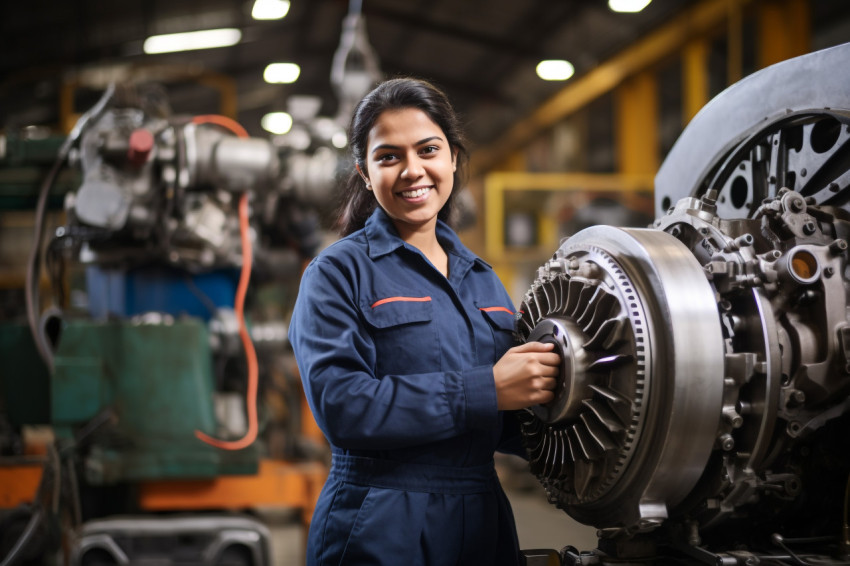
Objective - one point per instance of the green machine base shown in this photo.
(131, 396)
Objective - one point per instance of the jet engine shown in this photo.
(702, 408)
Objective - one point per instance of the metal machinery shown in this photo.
(148, 357)
(702, 413)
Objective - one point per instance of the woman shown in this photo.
(403, 339)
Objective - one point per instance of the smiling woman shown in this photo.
(404, 341)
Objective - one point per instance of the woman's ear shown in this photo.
(363, 176)
(454, 159)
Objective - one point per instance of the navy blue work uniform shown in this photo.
(397, 364)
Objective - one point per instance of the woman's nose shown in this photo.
(413, 169)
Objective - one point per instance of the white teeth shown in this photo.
(415, 193)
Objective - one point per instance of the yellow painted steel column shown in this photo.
(784, 29)
(226, 87)
(67, 116)
(695, 89)
(703, 19)
(637, 124)
(494, 219)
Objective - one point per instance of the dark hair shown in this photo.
(358, 203)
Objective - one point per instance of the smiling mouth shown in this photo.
(415, 193)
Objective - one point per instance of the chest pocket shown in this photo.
(405, 335)
(501, 323)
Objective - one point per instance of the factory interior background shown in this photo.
(142, 305)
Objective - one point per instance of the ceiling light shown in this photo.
(555, 70)
(285, 73)
(205, 39)
(339, 140)
(269, 9)
(628, 6)
(277, 122)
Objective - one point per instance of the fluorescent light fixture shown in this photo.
(285, 73)
(188, 41)
(269, 9)
(555, 70)
(628, 6)
(277, 122)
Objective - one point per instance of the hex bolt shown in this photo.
(794, 428)
(727, 443)
(693, 533)
(796, 204)
(838, 246)
(809, 228)
(745, 240)
(828, 272)
(733, 418)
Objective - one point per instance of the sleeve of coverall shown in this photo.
(357, 409)
(511, 440)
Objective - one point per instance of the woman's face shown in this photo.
(410, 167)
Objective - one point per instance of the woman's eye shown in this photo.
(387, 157)
(429, 149)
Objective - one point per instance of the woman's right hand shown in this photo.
(526, 375)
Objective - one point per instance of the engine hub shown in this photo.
(601, 447)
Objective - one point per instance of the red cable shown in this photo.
(250, 353)
(222, 121)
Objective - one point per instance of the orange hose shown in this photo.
(222, 121)
(250, 353)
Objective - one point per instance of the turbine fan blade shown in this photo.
(610, 362)
(608, 332)
(619, 405)
(590, 305)
(606, 307)
(574, 289)
(588, 446)
(551, 297)
(609, 419)
(598, 432)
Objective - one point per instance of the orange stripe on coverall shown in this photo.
(401, 299)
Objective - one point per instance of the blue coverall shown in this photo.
(397, 364)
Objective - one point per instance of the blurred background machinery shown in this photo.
(159, 370)
(703, 410)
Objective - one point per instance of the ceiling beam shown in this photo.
(494, 43)
(703, 19)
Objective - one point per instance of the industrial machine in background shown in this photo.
(704, 404)
(154, 344)
(155, 340)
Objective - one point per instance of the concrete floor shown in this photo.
(541, 525)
